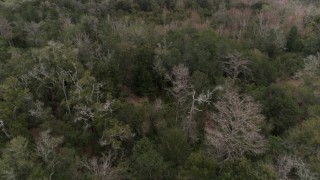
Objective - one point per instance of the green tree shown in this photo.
(174, 146)
(68, 166)
(146, 162)
(304, 141)
(281, 110)
(294, 42)
(146, 5)
(143, 77)
(16, 162)
(14, 106)
(198, 166)
(263, 70)
(4, 55)
(243, 169)
(287, 65)
(200, 81)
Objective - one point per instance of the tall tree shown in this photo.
(233, 129)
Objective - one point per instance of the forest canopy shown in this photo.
(159, 89)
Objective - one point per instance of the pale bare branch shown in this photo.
(234, 128)
(103, 167)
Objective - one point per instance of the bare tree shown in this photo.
(4, 130)
(180, 81)
(311, 66)
(84, 114)
(233, 129)
(103, 167)
(62, 76)
(39, 110)
(236, 64)
(284, 167)
(286, 164)
(310, 72)
(46, 145)
(190, 125)
(180, 90)
(187, 100)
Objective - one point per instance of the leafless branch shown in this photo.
(103, 167)
(235, 64)
(234, 128)
(286, 164)
(3, 129)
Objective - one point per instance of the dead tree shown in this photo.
(288, 164)
(187, 100)
(190, 125)
(4, 130)
(233, 129)
(46, 146)
(103, 167)
(180, 90)
(236, 64)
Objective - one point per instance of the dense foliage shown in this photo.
(159, 89)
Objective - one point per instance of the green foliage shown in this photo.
(260, 6)
(305, 140)
(14, 106)
(197, 166)
(4, 54)
(143, 77)
(277, 144)
(312, 44)
(146, 5)
(202, 51)
(15, 162)
(288, 65)
(123, 5)
(314, 111)
(130, 115)
(203, 3)
(95, 72)
(243, 169)
(263, 71)
(281, 110)
(69, 163)
(174, 146)
(146, 162)
(200, 81)
(115, 134)
(294, 43)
